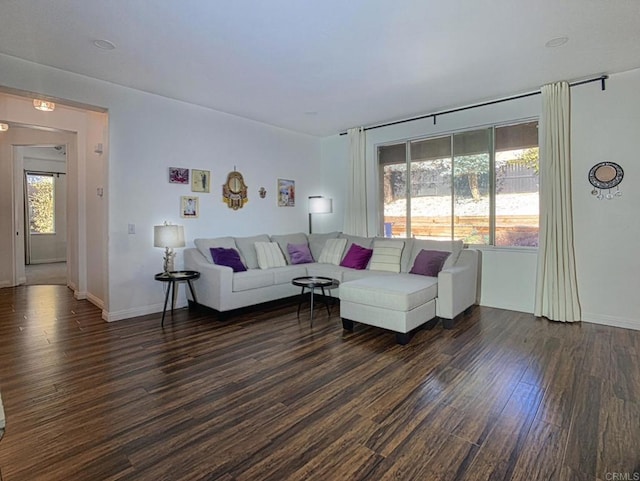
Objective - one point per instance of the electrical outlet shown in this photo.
(132, 228)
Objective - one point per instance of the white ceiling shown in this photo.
(322, 66)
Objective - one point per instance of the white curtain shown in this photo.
(556, 284)
(355, 216)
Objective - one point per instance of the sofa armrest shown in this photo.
(215, 283)
(457, 285)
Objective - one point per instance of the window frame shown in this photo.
(492, 178)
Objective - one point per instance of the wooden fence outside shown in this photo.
(465, 226)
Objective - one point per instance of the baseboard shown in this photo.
(96, 301)
(80, 295)
(49, 261)
(137, 312)
(611, 321)
(508, 307)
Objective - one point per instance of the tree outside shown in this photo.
(40, 190)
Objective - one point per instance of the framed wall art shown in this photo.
(178, 175)
(286, 193)
(189, 206)
(200, 180)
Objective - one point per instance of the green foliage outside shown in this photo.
(529, 158)
(472, 167)
(41, 204)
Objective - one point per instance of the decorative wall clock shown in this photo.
(606, 176)
(234, 191)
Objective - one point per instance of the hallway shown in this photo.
(46, 274)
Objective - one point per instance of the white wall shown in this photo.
(604, 127)
(147, 135)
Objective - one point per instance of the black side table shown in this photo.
(172, 278)
(312, 283)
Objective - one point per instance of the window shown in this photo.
(40, 196)
(479, 185)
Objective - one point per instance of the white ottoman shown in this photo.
(400, 303)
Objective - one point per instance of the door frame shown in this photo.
(18, 208)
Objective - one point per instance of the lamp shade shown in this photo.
(320, 205)
(168, 236)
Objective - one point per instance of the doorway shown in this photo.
(83, 130)
(45, 213)
(43, 158)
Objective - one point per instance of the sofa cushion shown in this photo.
(283, 275)
(354, 275)
(429, 263)
(454, 247)
(357, 257)
(317, 241)
(283, 240)
(205, 245)
(227, 257)
(299, 254)
(248, 250)
(327, 270)
(332, 251)
(269, 255)
(386, 255)
(406, 292)
(252, 279)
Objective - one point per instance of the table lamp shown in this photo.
(168, 236)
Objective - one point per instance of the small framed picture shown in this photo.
(200, 180)
(178, 175)
(189, 206)
(286, 193)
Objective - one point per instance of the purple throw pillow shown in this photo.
(299, 253)
(429, 263)
(357, 257)
(227, 257)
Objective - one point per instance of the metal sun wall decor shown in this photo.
(605, 176)
(234, 191)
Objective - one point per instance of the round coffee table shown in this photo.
(312, 283)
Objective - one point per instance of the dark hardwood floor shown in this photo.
(262, 396)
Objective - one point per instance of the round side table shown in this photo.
(173, 278)
(312, 283)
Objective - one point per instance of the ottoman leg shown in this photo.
(403, 337)
(447, 323)
(347, 324)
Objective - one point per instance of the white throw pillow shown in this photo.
(269, 255)
(332, 251)
(386, 256)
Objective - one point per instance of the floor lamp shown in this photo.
(318, 205)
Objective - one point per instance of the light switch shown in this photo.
(132, 228)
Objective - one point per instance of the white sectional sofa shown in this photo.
(398, 301)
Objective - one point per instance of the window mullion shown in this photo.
(452, 191)
(492, 186)
(407, 151)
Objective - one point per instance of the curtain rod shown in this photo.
(40, 172)
(601, 79)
